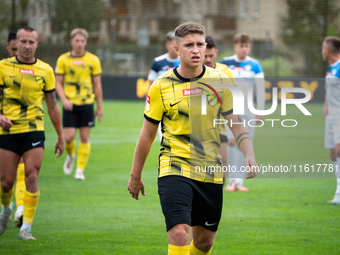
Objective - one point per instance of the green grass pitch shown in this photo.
(281, 214)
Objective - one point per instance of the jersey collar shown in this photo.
(336, 63)
(77, 56)
(240, 61)
(26, 63)
(187, 79)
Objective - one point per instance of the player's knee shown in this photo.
(231, 142)
(31, 174)
(6, 185)
(205, 244)
(337, 151)
(84, 139)
(332, 154)
(179, 234)
(69, 139)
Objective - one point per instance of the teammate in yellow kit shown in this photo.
(211, 53)
(78, 83)
(20, 187)
(24, 82)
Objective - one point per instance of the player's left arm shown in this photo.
(244, 142)
(98, 92)
(54, 113)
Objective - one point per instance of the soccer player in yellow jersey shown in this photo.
(78, 83)
(24, 82)
(190, 189)
(211, 53)
(20, 186)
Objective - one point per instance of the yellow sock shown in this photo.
(21, 186)
(6, 198)
(70, 148)
(83, 155)
(30, 206)
(195, 251)
(178, 250)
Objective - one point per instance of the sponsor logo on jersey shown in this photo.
(239, 68)
(26, 71)
(78, 62)
(192, 92)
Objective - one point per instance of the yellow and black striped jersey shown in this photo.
(191, 140)
(24, 86)
(78, 73)
(226, 70)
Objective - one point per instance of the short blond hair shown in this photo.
(79, 31)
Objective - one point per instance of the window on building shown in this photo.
(226, 7)
(256, 8)
(197, 10)
(186, 9)
(231, 6)
(176, 8)
(243, 8)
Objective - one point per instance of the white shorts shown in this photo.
(332, 133)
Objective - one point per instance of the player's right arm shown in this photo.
(146, 137)
(153, 114)
(5, 122)
(59, 79)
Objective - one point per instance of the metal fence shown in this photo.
(127, 35)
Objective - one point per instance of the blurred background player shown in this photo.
(211, 53)
(331, 109)
(22, 131)
(78, 83)
(164, 63)
(249, 75)
(20, 187)
(11, 44)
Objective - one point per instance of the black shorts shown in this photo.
(186, 201)
(80, 116)
(20, 143)
(223, 138)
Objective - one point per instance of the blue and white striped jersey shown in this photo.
(161, 65)
(248, 74)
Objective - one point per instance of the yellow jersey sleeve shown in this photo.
(2, 74)
(227, 102)
(227, 97)
(154, 107)
(97, 68)
(229, 73)
(60, 68)
(50, 81)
